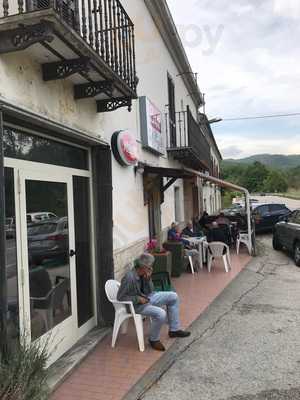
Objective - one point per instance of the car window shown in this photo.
(277, 207)
(42, 229)
(295, 217)
(262, 210)
(29, 219)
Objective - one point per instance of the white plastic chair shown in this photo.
(122, 315)
(242, 238)
(190, 258)
(215, 250)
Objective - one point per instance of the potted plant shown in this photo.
(163, 258)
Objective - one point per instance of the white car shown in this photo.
(39, 216)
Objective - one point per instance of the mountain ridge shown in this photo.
(278, 161)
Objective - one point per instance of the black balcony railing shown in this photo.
(187, 142)
(103, 24)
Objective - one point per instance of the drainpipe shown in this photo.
(3, 283)
(222, 183)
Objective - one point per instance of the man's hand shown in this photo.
(143, 300)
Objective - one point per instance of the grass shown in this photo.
(291, 194)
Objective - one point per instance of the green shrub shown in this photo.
(23, 373)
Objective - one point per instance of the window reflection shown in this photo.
(30, 147)
(11, 256)
(48, 252)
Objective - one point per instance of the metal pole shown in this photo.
(3, 282)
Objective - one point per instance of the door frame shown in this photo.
(26, 170)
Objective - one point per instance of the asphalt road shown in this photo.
(290, 203)
(246, 346)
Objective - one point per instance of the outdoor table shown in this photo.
(199, 242)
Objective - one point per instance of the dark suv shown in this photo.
(287, 234)
(267, 215)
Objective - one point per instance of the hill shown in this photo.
(278, 161)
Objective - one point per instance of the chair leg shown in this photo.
(117, 325)
(191, 264)
(228, 260)
(237, 246)
(225, 262)
(138, 321)
(209, 261)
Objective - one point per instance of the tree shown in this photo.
(254, 176)
(275, 182)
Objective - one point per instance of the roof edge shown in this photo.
(164, 22)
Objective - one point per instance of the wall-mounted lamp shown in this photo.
(214, 120)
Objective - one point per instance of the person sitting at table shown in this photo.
(189, 230)
(175, 235)
(137, 286)
(204, 220)
(217, 234)
(222, 220)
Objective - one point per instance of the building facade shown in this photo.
(84, 182)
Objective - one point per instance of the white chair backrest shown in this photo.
(111, 289)
(217, 248)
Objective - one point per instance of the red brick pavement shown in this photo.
(108, 374)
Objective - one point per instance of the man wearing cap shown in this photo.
(137, 286)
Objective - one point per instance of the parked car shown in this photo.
(232, 210)
(266, 215)
(48, 240)
(10, 228)
(286, 235)
(39, 216)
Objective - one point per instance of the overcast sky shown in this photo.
(247, 56)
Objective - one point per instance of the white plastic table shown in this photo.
(199, 242)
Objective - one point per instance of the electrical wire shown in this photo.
(262, 117)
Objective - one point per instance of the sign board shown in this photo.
(151, 126)
(124, 148)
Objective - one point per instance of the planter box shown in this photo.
(163, 262)
(177, 250)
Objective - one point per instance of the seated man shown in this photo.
(189, 230)
(137, 286)
(174, 234)
(222, 220)
(217, 234)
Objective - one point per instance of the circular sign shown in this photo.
(124, 148)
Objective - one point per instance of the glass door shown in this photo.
(48, 259)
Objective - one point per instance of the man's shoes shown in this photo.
(179, 333)
(157, 345)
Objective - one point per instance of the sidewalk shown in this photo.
(108, 374)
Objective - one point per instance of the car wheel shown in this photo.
(297, 254)
(276, 244)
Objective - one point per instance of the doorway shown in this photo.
(49, 255)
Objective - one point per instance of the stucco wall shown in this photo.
(21, 83)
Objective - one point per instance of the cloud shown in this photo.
(253, 68)
(231, 152)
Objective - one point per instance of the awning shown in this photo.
(230, 185)
(187, 173)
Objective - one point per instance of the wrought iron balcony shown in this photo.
(91, 41)
(186, 142)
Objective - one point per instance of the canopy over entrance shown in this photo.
(186, 173)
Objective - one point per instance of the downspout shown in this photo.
(219, 182)
(3, 282)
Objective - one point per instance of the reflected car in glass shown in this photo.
(286, 235)
(10, 228)
(48, 240)
(39, 216)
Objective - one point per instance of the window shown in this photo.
(25, 146)
(262, 210)
(276, 207)
(172, 112)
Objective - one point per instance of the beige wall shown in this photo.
(21, 83)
